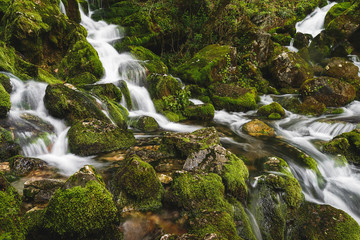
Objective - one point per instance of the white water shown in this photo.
(314, 23)
(122, 66)
(27, 98)
(356, 60)
(62, 8)
(291, 46)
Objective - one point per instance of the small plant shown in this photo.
(178, 101)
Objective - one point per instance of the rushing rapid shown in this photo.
(123, 66)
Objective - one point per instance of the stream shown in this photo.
(341, 186)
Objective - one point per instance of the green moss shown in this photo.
(118, 114)
(200, 112)
(82, 78)
(173, 117)
(233, 98)
(208, 65)
(126, 93)
(136, 186)
(273, 108)
(282, 39)
(336, 11)
(145, 123)
(196, 192)
(72, 105)
(274, 116)
(219, 223)
(5, 103)
(347, 144)
(80, 58)
(162, 85)
(10, 224)
(234, 176)
(45, 76)
(5, 82)
(324, 222)
(152, 62)
(8, 147)
(105, 91)
(93, 136)
(80, 212)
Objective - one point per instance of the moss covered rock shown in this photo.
(136, 186)
(5, 82)
(340, 68)
(277, 198)
(183, 144)
(290, 70)
(197, 192)
(10, 224)
(5, 103)
(257, 128)
(271, 109)
(81, 211)
(151, 61)
(233, 98)
(72, 10)
(310, 106)
(213, 225)
(80, 58)
(8, 147)
(163, 85)
(126, 93)
(200, 112)
(218, 160)
(211, 64)
(145, 123)
(93, 136)
(347, 144)
(82, 78)
(118, 114)
(64, 102)
(323, 222)
(329, 91)
(105, 91)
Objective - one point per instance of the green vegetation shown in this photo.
(136, 186)
(271, 110)
(5, 103)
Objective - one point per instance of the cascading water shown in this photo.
(39, 134)
(313, 24)
(124, 67)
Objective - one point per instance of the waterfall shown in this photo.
(313, 24)
(123, 66)
(62, 8)
(39, 134)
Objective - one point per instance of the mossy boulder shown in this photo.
(330, 91)
(232, 97)
(64, 102)
(162, 85)
(11, 226)
(197, 192)
(200, 112)
(72, 10)
(118, 114)
(347, 144)
(82, 78)
(80, 58)
(270, 110)
(323, 222)
(310, 106)
(136, 186)
(218, 160)
(126, 93)
(151, 61)
(321, 47)
(81, 211)
(93, 136)
(211, 64)
(342, 20)
(290, 70)
(302, 40)
(5, 103)
(341, 68)
(8, 147)
(257, 128)
(277, 198)
(145, 123)
(213, 225)
(183, 144)
(105, 91)
(5, 82)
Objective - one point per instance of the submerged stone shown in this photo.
(22, 166)
(40, 191)
(257, 128)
